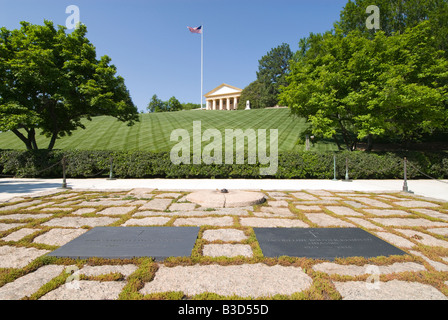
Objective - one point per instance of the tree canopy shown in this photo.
(51, 80)
(272, 70)
(396, 16)
(351, 86)
(157, 105)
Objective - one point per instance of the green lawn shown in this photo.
(153, 131)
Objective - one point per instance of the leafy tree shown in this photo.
(50, 80)
(173, 104)
(254, 93)
(272, 70)
(156, 105)
(397, 15)
(354, 87)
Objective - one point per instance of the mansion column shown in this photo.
(214, 104)
(228, 104)
(220, 103)
(235, 103)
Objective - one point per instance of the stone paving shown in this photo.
(227, 259)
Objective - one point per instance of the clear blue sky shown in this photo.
(153, 50)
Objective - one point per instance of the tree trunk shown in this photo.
(337, 143)
(23, 138)
(32, 138)
(369, 142)
(52, 141)
(345, 136)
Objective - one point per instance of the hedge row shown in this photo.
(291, 165)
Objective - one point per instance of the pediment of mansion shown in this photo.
(223, 97)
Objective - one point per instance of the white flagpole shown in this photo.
(202, 60)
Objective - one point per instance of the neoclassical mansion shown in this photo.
(223, 97)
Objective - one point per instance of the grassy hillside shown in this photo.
(153, 131)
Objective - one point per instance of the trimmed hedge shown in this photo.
(291, 165)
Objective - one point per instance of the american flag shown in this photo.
(195, 30)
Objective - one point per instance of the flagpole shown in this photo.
(202, 61)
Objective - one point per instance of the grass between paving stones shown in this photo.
(321, 288)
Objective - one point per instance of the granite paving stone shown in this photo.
(169, 214)
(63, 196)
(273, 212)
(391, 290)
(227, 250)
(156, 221)
(343, 211)
(19, 234)
(29, 283)
(320, 193)
(125, 269)
(141, 193)
(415, 204)
(440, 231)
(371, 202)
(116, 211)
(84, 211)
(395, 240)
(38, 206)
(137, 202)
(58, 236)
(169, 195)
(408, 222)
(224, 235)
(77, 222)
(364, 223)
(324, 220)
(439, 266)
(277, 194)
(88, 290)
(68, 203)
(322, 202)
(432, 213)
(212, 221)
(25, 216)
(355, 204)
(103, 202)
(272, 222)
(156, 204)
(387, 212)
(254, 280)
(389, 197)
(19, 205)
(424, 238)
(242, 211)
(182, 206)
(303, 196)
(182, 199)
(308, 208)
(279, 203)
(7, 226)
(354, 270)
(18, 257)
(56, 209)
(333, 198)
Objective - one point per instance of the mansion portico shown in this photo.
(223, 97)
